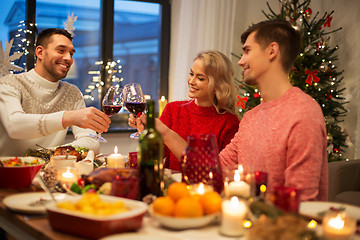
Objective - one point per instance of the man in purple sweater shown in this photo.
(285, 135)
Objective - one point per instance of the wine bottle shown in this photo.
(151, 156)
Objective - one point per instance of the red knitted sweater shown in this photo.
(186, 118)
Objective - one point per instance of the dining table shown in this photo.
(28, 226)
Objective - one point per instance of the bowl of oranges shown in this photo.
(182, 209)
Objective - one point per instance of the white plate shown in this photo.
(183, 223)
(313, 209)
(138, 236)
(22, 202)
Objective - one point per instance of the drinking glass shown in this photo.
(200, 162)
(135, 102)
(111, 105)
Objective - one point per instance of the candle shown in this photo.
(115, 160)
(237, 187)
(233, 215)
(162, 104)
(67, 176)
(338, 226)
(200, 189)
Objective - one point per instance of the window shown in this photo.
(133, 34)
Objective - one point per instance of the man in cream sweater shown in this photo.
(37, 108)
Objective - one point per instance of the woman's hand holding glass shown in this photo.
(135, 103)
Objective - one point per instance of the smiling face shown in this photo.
(198, 83)
(254, 61)
(55, 59)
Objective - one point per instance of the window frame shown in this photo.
(107, 42)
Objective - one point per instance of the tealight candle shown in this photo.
(338, 226)
(233, 215)
(67, 175)
(200, 189)
(237, 187)
(115, 160)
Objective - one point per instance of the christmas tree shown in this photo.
(314, 70)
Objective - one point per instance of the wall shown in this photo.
(345, 15)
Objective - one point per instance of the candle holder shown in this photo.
(287, 198)
(234, 211)
(239, 183)
(133, 160)
(260, 184)
(338, 226)
(67, 176)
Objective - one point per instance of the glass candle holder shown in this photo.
(67, 175)
(238, 182)
(287, 198)
(338, 226)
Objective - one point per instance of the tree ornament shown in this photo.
(307, 14)
(324, 67)
(328, 21)
(311, 76)
(241, 101)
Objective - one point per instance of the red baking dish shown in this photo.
(92, 226)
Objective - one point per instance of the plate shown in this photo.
(183, 223)
(25, 202)
(314, 209)
(138, 236)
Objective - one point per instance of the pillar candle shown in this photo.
(233, 215)
(115, 160)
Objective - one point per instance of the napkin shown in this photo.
(86, 166)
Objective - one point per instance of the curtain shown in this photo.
(197, 25)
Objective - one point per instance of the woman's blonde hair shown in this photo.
(220, 72)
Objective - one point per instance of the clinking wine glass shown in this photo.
(111, 105)
(135, 102)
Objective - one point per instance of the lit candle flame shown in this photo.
(241, 168)
(68, 174)
(201, 189)
(162, 98)
(337, 222)
(116, 149)
(234, 201)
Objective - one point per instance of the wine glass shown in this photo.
(111, 105)
(135, 102)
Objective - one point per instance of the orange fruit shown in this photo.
(211, 202)
(178, 190)
(188, 207)
(164, 206)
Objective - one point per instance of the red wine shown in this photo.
(135, 107)
(111, 110)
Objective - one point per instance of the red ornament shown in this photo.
(328, 21)
(242, 101)
(308, 11)
(256, 95)
(312, 76)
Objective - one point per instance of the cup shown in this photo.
(133, 160)
(287, 198)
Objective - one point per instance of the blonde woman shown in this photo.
(211, 109)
